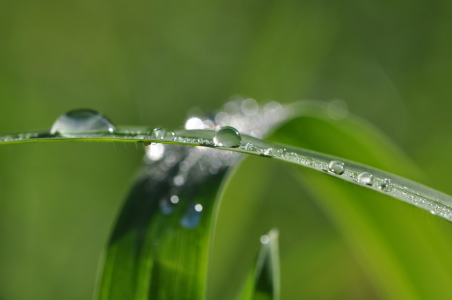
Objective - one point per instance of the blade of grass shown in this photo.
(408, 191)
(262, 282)
(399, 248)
(160, 245)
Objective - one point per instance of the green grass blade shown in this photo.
(262, 282)
(405, 252)
(408, 191)
(160, 245)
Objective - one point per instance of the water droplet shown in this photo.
(336, 167)
(270, 152)
(307, 161)
(81, 121)
(249, 147)
(192, 216)
(227, 136)
(281, 151)
(163, 134)
(385, 185)
(365, 178)
(264, 239)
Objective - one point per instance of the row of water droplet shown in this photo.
(91, 124)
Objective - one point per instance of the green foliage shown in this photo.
(149, 62)
(159, 248)
(262, 282)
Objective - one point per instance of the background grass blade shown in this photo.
(160, 245)
(399, 247)
(262, 282)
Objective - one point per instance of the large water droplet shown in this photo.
(192, 216)
(81, 121)
(365, 178)
(336, 167)
(227, 136)
(163, 134)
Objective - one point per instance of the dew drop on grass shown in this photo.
(163, 134)
(336, 167)
(192, 216)
(80, 122)
(365, 178)
(385, 185)
(281, 151)
(227, 136)
(270, 152)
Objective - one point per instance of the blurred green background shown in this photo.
(149, 63)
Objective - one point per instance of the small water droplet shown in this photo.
(82, 121)
(270, 152)
(227, 136)
(336, 167)
(264, 239)
(163, 134)
(307, 161)
(385, 185)
(365, 178)
(249, 147)
(281, 151)
(192, 216)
